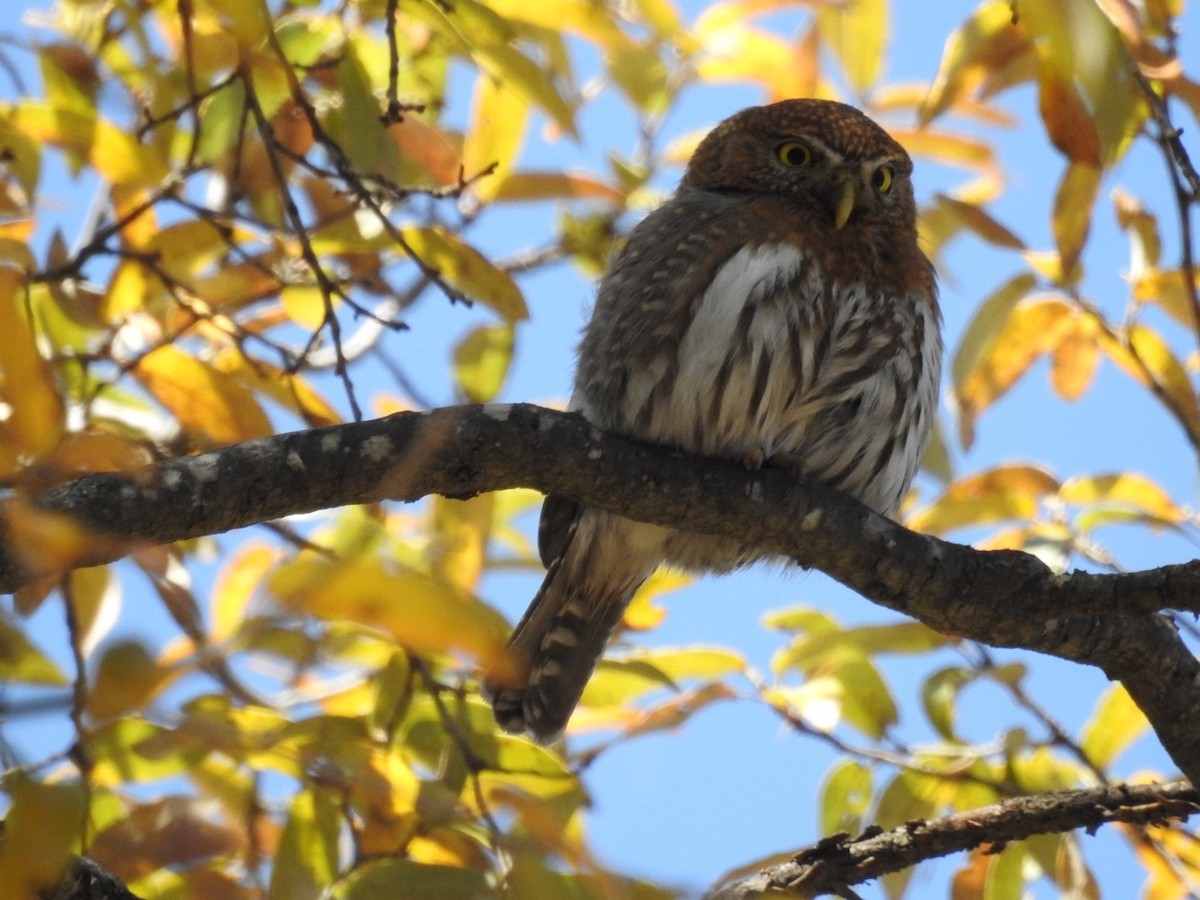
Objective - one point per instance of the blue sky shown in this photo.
(732, 785)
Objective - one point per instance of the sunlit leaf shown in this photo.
(939, 694)
(1068, 121)
(482, 360)
(1147, 358)
(498, 118)
(1032, 327)
(1073, 211)
(858, 33)
(402, 879)
(213, 406)
(527, 185)
(1169, 289)
(288, 389)
(237, 583)
(979, 221)
(1115, 724)
(306, 863)
(466, 269)
(1006, 492)
(845, 798)
(420, 611)
(1076, 358)
(21, 661)
(481, 34)
(34, 424)
(112, 152)
(987, 41)
(1127, 488)
(460, 530)
(42, 830)
(127, 679)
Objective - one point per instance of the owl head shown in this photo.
(827, 157)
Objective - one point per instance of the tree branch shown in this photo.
(1002, 598)
(839, 862)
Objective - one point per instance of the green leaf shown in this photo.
(402, 879)
(306, 861)
(845, 798)
(21, 661)
(939, 694)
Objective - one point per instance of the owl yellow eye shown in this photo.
(881, 179)
(793, 153)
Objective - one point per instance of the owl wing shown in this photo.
(556, 528)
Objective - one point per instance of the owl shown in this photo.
(776, 310)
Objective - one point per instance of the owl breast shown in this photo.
(776, 360)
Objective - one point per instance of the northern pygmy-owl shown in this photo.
(777, 307)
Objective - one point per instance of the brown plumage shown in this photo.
(776, 308)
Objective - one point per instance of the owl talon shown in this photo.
(753, 459)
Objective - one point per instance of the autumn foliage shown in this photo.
(267, 200)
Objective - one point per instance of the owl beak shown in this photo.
(844, 199)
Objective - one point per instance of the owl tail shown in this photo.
(557, 644)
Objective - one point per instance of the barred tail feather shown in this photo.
(558, 643)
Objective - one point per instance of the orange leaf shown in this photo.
(1075, 359)
(1067, 118)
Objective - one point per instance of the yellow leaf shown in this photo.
(214, 407)
(45, 541)
(944, 147)
(236, 585)
(498, 116)
(1146, 357)
(94, 450)
(986, 42)
(34, 424)
(43, 828)
(858, 33)
(1115, 724)
(639, 71)
(1075, 359)
(481, 361)
(1007, 492)
(1125, 488)
(551, 185)
(306, 860)
(460, 530)
(734, 51)
(981, 222)
(466, 269)
(1033, 327)
(1073, 211)
(305, 305)
(643, 613)
(421, 612)
(287, 389)
(22, 662)
(95, 597)
(128, 678)
(484, 36)
(1168, 289)
(113, 153)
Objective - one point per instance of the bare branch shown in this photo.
(838, 862)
